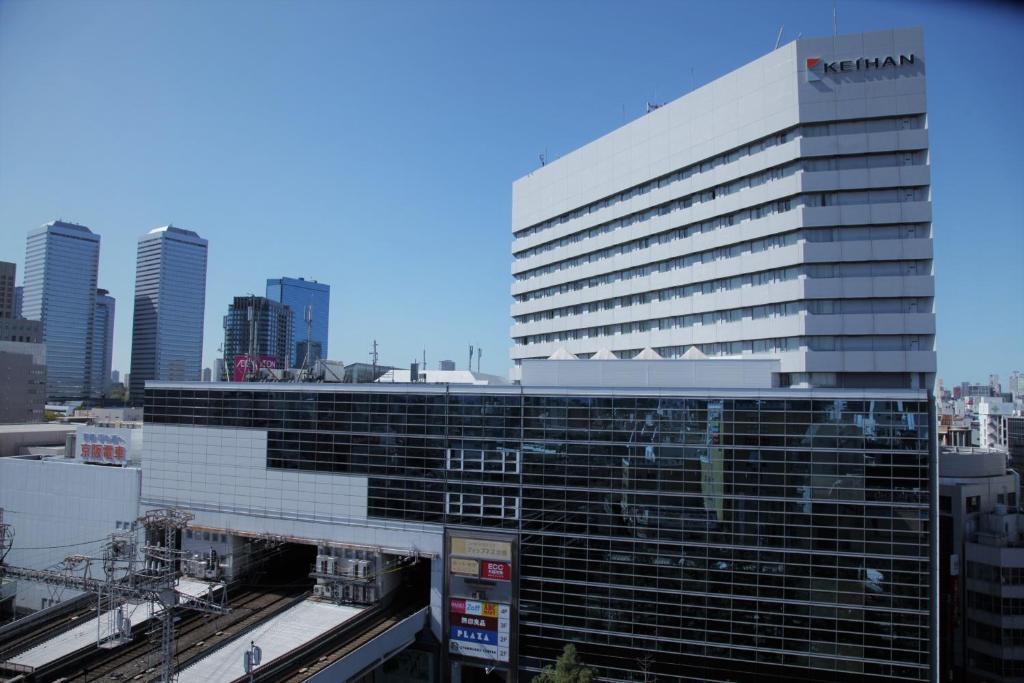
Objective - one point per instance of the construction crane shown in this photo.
(125, 581)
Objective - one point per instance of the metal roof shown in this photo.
(277, 636)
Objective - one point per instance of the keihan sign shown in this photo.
(818, 68)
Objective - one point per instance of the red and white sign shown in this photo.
(105, 445)
(495, 571)
(249, 365)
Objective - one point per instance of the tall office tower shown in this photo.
(19, 296)
(7, 289)
(61, 263)
(300, 294)
(102, 344)
(170, 300)
(781, 211)
(115, 376)
(257, 326)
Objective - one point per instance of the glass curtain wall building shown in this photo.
(61, 264)
(782, 210)
(300, 294)
(769, 535)
(170, 303)
(258, 326)
(102, 344)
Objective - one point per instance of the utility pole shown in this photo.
(479, 354)
(373, 357)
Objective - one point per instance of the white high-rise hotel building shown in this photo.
(782, 210)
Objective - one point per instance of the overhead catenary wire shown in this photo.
(69, 545)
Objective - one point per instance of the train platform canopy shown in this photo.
(277, 636)
(88, 632)
(81, 636)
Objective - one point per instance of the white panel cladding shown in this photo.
(221, 475)
(751, 102)
(56, 503)
(733, 374)
(857, 144)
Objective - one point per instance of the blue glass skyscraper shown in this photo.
(61, 263)
(300, 294)
(102, 344)
(170, 300)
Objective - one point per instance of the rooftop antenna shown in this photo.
(470, 368)
(309, 335)
(544, 156)
(778, 38)
(479, 353)
(373, 357)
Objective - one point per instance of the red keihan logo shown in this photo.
(813, 75)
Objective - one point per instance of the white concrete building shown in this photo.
(781, 211)
(990, 423)
(60, 507)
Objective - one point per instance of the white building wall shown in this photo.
(859, 131)
(221, 475)
(62, 507)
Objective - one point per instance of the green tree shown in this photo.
(567, 669)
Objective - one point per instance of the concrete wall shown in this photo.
(61, 502)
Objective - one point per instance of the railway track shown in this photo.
(194, 634)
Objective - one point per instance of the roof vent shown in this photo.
(647, 354)
(562, 354)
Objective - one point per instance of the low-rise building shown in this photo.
(975, 487)
(23, 381)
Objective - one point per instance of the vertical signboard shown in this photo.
(480, 593)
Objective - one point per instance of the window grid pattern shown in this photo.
(726, 537)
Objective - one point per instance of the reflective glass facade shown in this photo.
(780, 534)
(297, 294)
(61, 263)
(258, 326)
(170, 303)
(102, 344)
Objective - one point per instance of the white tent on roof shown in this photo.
(562, 354)
(604, 354)
(693, 353)
(647, 354)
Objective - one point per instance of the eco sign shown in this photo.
(818, 68)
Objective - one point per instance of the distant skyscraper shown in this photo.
(102, 344)
(115, 376)
(257, 326)
(19, 296)
(7, 289)
(298, 294)
(61, 262)
(447, 365)
(170, 299)
(207, 374)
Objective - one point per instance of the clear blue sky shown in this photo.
(373, 145)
